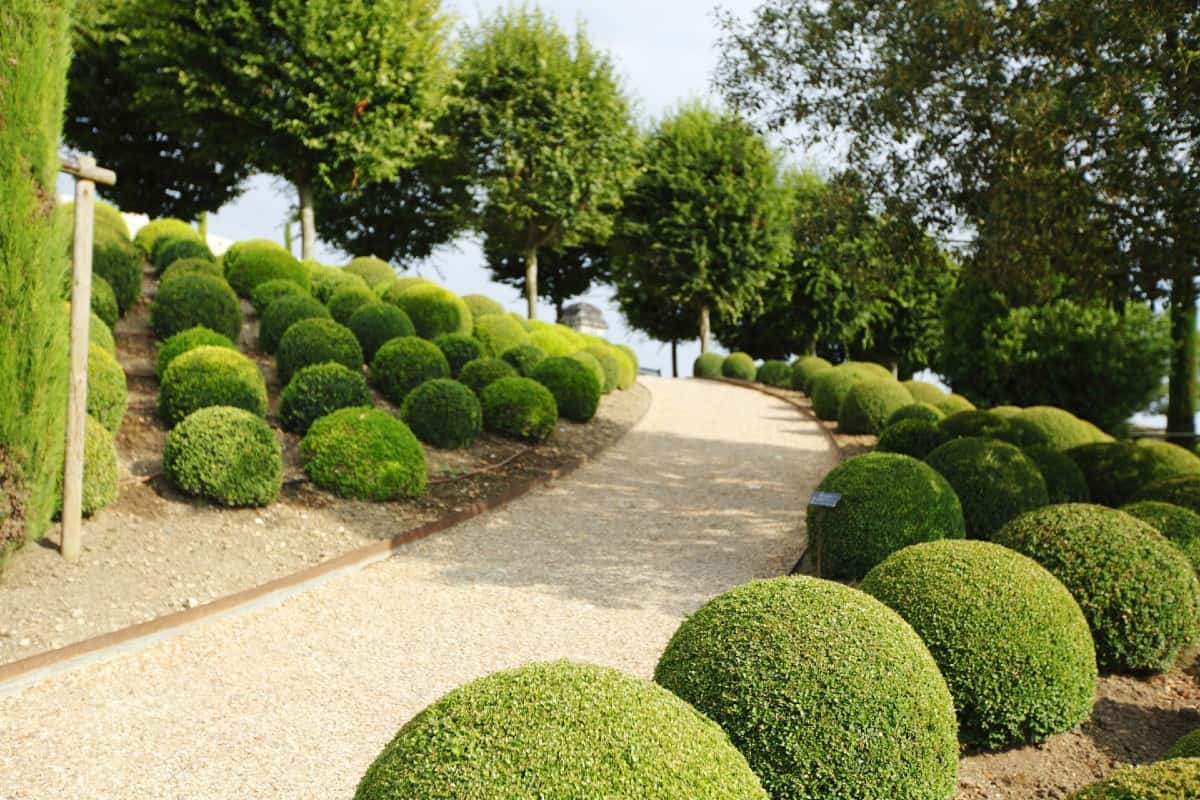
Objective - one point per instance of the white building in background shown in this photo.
(585, 318)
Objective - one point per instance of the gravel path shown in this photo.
(705, 493)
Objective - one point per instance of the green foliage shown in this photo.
(258, 261)
(994, 480)
(611, 362)
(1180, 525)
(917, 410)
(100, 471)
(345, 302)
(100, 334)
(482, 306)
(992, 426)
(1139, 593)
(316, 341)
(434, 310)
(325, 281)
(924, 392)
(1174, 779)
(364, 453)
(169, 250)
(1187, 746)
(708, 365)
(268, 292)
(559, 730)
(167, 228)
(889, 501)
(953, 403)
(911, 437)
(1065, 481)
(1182, 490)
(739, 366)
(192, 266)
(107, 394)
(106, 216)
(282, 314)
(826, 691)
(443, 413)
(574, 386)
(1116, 471)
(829, 388)
(499, 333)
(775, 373)
(551, 343)
(519, 408)
(371, 269)
(458, 348)
(116, 260)
(627, 359)
(395, 286)
(593, 365)
(523, 358)
(104, 302)
(1009, 639)
(184, 341)
(404, 363)
(805, 368)
(870, 404)
(186, 301)
(1062, 429)
(319, 389)
(224, 454)
(376, 324)
(211, 376)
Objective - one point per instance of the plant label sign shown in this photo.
(825, 499)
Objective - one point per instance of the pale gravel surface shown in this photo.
(705, 493)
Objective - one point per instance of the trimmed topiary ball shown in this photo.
(283, 314)
(104, 302)
(825, 690)
(211, 376)
(1116, 471)
(390, 291)
(346, 301)
(889, 501)
(498, 333)
(925, 392)
(1062, 429)
(324, 281)
(226, 455)
(458, 348)
(1009, 639)
(1187, 746)
(994, 480)
(371, 269)
(320, 389)
(268, 292)
(803, 370)
(168, 251)
(403, 364)
(364, 453)
(921, 411)
(107, 392)
(869, 404)
(100, 472)
(190, 300)
(482, 306)
(106, 216)
(192, 266)
(610, 362)
(378, 323)
(443, 413)
(247, 264)
(1183, 490)
(524, 358)
(1175, 779)
(575, 387)
(775, 373)
(627, 375)
(593, 364)
(551, 342)
(953, 403)
(316, 341)
(1138, 592)
(1179, 525)
(165, 228)
(182, 342)
(101, 335)
(829, 389)
(1008, 412)
(708, 365)
(520, 408)
(559, 730)
(434, 310)
(1065, 482)
(477, 375)
(116, 260)
(739, 366)
(911, 437)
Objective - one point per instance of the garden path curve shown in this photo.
(705, 493)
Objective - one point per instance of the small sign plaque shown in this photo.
(825, 499)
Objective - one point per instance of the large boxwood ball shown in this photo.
(708, 365)
(889, 501)
(364, 453)
(825, 690)
(551, 342)
(1187, 746)
(403, 364)
(519, 408)
(991, 426)
(324, 281)
(104, 302)
(247, 264)
(628, 372)
(192, 266)
(268, 292)
(211, 376)
(168, 251)
(1062, 429)
(346, 301)
(389, 291)
(378, 323)
(190, 300)
(166, 228)
(739, 366)
(869, 404)
(283, 314)
(594, 366)
(116, 260)
(575, 387)
(482, 305)
(560, 730)
(315, 341)
(918, 410)
(435, 310)
(107, 392)
(911, 437)
(182, 342)
(1138, 592)
(775, 373)
(925, 392)
(994, 480)
(458, 348)
(1174, 779)
(100, 334)
(106, 216)
(100, 471)
(499, 332)
(829, 389)
(371, 269)
(1116, 471)
(611, 363)
(953, 403)
(1180, 525)
(226, 455)
(443, 413)
(804, 368)
(320, 389)
(1009, 639)
(1182, 490)
(477, 375)
(524, 358)
(1065, 482)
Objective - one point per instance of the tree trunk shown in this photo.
(674, 359)
(1181, 405)
(704, 328)
(308, 231)
(287, 235)
(531, 282)
(202, 225)
(558, 307)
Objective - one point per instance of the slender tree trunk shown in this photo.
(558, 307)
(287, 235)
(1181, 404)
(308, 229)
(704, 329)
(531, 282)
(202, 226)
(674, 359)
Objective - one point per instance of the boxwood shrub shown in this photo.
(575, 387)
(775, 373)
(869, 404)
(324, 281)
(107, 392)
(498, 333)
(104, 302)
(227, 455)
(1009, 639)
(610, 362)
(1187, 746)
(190, 300)
(458, 348)
(316, 341)
(1008, 412)
(116, 260)
(825, 690)
(404, 363)
(211, 376)
(559, 730)
(283, 314)
(925, 392)
(1116, 471)
(1065, 482)
(1174, 779)
(994, 480)
(739, 366)
(627, 375)
(106, 216)
(434, 310)
(100, 472)
(519, 408)
(708, 365)
(1063, 430)
(100, 334)
(829, 389)
(889, 501)
(182, 342)
(1180, 525)
(523, 358)
(593, 364)
(192, 266)
(1138, 592)
(803, 370)
(389, 291)
(378, 323)
(345, 302)
(1182, 490)
(268, 292)
(168, 251)
(320, 389)
(364, 453)
(953, 403)
(443, 413)
(371, 269)
(551, 342)
(911, 437)
(918, 410)
(166, 228)
(482, 306)
(247, 264)
(480, 373)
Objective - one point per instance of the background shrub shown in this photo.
(1175, 779)
(482, 372)
(1065, 482)
(434, 310)
(268, 292)
(925, 392)
(182, 342)
(320, 389)
(1009, 639)
(918, 410)
(1062, 429)
(458, 348)
(190, 300)
(283, 314)
(443, 413)
(165, 228)
(316, 341)
(911, 437)
(100, 471)
(192, 266)
(378, 323)
(1182, 490)
(1116, 471)
(346, 301)
(226, 455)
(100, 334)
(391, 290)
(1137, 591)
(551, 343)
(519, 408)
(793, 669)
(107, 393)
(482, 305)
(106, 216)
(116, 260)
(575, 388)
(610, 363)
(211, 376)
(869, 404)
(168, 251)
(805, 368)
(994, 481)
(953, 403)
(593, 365)
(628, 372)
(372, 270)
(104, 302)
(257, 262)
(708, 365)
(403, 364)
(364, 453)
(1188, 746)
(325, 281)
(498, 333)
(739, 366)
(524, 358)
(775, 373)
(1179, 525)
(829, 389)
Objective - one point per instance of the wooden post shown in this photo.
(87, 175)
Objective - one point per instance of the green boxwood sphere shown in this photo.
(825, 690)
(829, 390)
(107, 392)
(918, 410)
(101, 475)
(458, 348)
(211, 376)
(524, 358)
(166, 228)
(866, 370)
(1187, 746)
(977, 423)
(390, 291)
(101, 335)
(610, 363)
(434, 310)
(169, 251)
(345, 302)
(364, 453)
(498, 333)
(628, 372)
(1175, 779)
(575, 387)
(226, 455)
(268, 292)
(1180, 525)
(889, 501)
(593, 364)
(316, 341)
(192, 266)
(480, 373)
(1062, 429)
(804, 368)
(925, 392)
(182, 342)
(1008, 412)
(283, 314)
(739, 366)
(911, 437)
(106, 216)
(482, 306)
(1065, 482)
(551, 342)
(190, 300)
(247, 264)
(869, 404)
(325, 281)
(775, 373)
(1138, 592)
(708, 365)
(443, 413)
(104, 302)
(559, 730)
(371, 269)
(1009, 639)
(994, 480)
(1116, 471)
(320, 389)
(116, 260)
(953, 403)
(1182, 490)
(519, 408)
(404, 363)
(378, 323)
